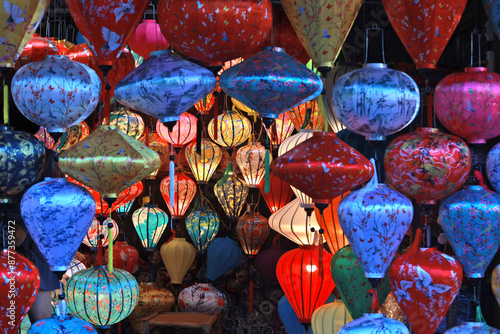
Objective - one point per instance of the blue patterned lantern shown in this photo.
(149, 222)
(223, 255)
(165, 86)
(473, 328)
(375, 101)
(22, 157)
(470, 219)
(202, 225)
(271, 82)
(493, 167)
(61, 325)
(374, 323)
(289, 318)
(57, 214)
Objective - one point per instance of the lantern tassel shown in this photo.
(307, 118)
(322, 113)
(375, 304)
(479, 315)
(172, 177)
(320, 239)
(250, 295)
(174, 234)
(267, 177)
(479, 176)
(110, 248)
(5, 104)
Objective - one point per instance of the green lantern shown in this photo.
(149, 222)
(231, 192)
(202, 225)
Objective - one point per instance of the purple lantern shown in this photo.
(266, 262)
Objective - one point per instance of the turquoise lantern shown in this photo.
(202, 225)
(124, 209)
(61, 325)
(149, 222)
(223, 255)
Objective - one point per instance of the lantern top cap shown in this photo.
(476, 69)
(273, 49)
(375, 65)
(160, 52)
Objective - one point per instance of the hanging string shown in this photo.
(5, 102)
(171, 170)
(216, 121)
(110, 244)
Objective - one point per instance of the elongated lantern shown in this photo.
(178, 256)
(280, 193)
(231, 192)
(184, 191)
(252, 230)
(150, 222)
(203, 164)
(251, 161)
(202, 226)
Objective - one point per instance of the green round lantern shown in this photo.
(149, 222)
(202, 225)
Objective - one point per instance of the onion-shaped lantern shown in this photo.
(202, 224)
(178, 256)
(159, 88)
(307, 116)
(305, 278)
(146, 38)
(57, 200)
(280, 130)
(473, 328)
(252, 230)
(60, 324)
(203, 165)
(125, 256)
(329, 318)
(56, 92)
(251, 161)
(231, 192)
(467, 103)
(376, 101)
(149, 222)
(373, 323)
(280, 193)
(183, 132)
(184, 191)
(232, 130)
(101, 297)
(36, 49)
(99, 231)
(329, 222)
(202, 297)
(127, 121)
(223, 255)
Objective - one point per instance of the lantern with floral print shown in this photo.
(127, 121)
(473, 328)
(62, 324)
(252, 230)
(184, 191)
(204, 163)
(150, 222)
(374, 323)
(178, 256)
(307, 116)
(125, 256)
(36, 50)
(99, 231)
(280, 193)
(202, 297)
(183, 132)
(281, 129)
(202, 224)
(232, 130)
(146, 38)
(231, 192)
(251, 160)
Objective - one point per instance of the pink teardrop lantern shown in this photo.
(146, 38)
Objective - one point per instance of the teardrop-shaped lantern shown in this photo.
(149, 222)
(146, 38)
(233, 130)
(329, 318)
(280, 130)
(307, 116)
(184, 191)
(473, 328)
(231, 192)
(60, 324)
(470, 219)
(203, 165)
(251, 161)
(202, 224)
(128, 121)
(62, 203)
(329, 222)
(183, 132)
(374, 323)
(280, 193)
(290, 84)
(56, 92)
(252, 230)
(223, 255)
(376, 101)
(305, 278)
(427, 164)
(178, 256)
(125, 256)
(466, 104)
(159, 88)
(98, 231)
(36, 49)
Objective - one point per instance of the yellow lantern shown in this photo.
(127, 121)
(251, 160)
(233, 130)
(495, 283)
(178, 256)
(307, 116)
(204, 163)
(281, 129)
(240, 106)
(329, 318)
(231, 192)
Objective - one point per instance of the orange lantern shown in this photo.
(329, 222)
(307, 116)
(183, 132)
(184, 191)
(281, 129)
(252, 230)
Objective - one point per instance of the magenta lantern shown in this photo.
(147, 37)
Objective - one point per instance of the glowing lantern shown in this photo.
(149, 222)
(281, 129)
(232, 130)
(184, 191)
(305, 279)
(125, 256)
(98, 230)
(127, 121)
(56, 92)
(373, 323)
(329, 222)
(279, 194)
(60, 324)
(146, 38)
(202, 224)
(329, 318)
(473, 328)
(178, 256)
(124, 209)
(223, 255)
(307, 116)
(204, 105)
(203, 165)
(183, 132)
(73, 135)
(202, 297)
(36, 50)
(231, 192)
(162, 148)
(250, 159)
(252, 230)
(101, 297)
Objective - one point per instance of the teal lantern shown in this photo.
(202, 225)
(223, 255)
(61, 325)
(124, 209)
(149, 222)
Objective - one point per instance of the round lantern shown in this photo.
(232, 130)
(375, 220)
(466, 104)
(158, 87)
(70, 209)
(36, 50)
(251, 161)
(74, 134)
(202, 297)
(127, 121)
(223, 255)
(252, 230)
(374, 323)
(101, 297)
(146, 38)
(98, 231)
(56, 92)
(20, 284)
(305, 278)
(231, 192)
(216, 31)
(329, 222)
(470, 219)
(329, 318)
(495, 283)
(280, 130)
(149, 222)
(425, 282)
(307, 116)
(125, 256)
(493, 167)
(376, 101)
(280, 193)
(22, 158)
(204, 163)
(183, 132)
(266, 262)
(427, 164)
(178, 256)
(202, 224)
(473, 328)
(289, 318)
(184, 191)
(61, 325)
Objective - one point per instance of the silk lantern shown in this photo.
(22, 157)
(60, 325)
(307, 116)
(96, 230)
(65, 204)
(202, 225)
(20, 284)
(280, 193)
(466, 104)
(73, 135)
(231, 192)
(424, 27)
(470, 221)
(146, 38)
(376, 101)
(36, 49)
(492, 10)
(101, 297)
(425, 282)
(232, 130)
(251, 161)
(56, 92)
(330, 318)
(305, 279)
(374, 323)
(493, 167)
(124, 209)
(375, 220)
(45, 138)
(184, 191)
(473, 328)
(178, 256)
(149, 222)
(281, 129)
(252, 230)
(216, 31)
(427, 164)
(289, 318)
(204, 163)
(290, 84)
(202, 297)
(223, 255)
(125, 256)
(159, 87)
(183, 132)
(266, 261)
(127, 121)
(495, 283)
(329, 222)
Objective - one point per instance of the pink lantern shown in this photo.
(98, 230)
(146, 38)
(184, 191)
(183, 132)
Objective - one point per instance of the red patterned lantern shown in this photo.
(425, 282)
(184, 191)
(146, 38)
(427, 164)
(329, 222)
(252, 230)
(125, 256)
(279, 194)
(306, 279)
(183, 132)
(424, 27)
(37, 49)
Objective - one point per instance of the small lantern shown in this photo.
(231, 192)
(223, 255)
(329, 318)
(266, 262)
(184, 191)
(307, 116)
(125, 256)
(178, 256)
(127, 121)
(202, 297)
(252, 230)
(124, 209)
(203, 165)
(251, 161)
(96, 230)
(149, 222)
(280, 193)
(183, 132)
(73, 135)
(232, 130)
(146, 38)
(280, 130)
(202, 224)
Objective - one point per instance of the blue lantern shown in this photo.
(149, 222)
(374, 323)
(223, 255)
(493, 167)
(61, 325)
(57, 214)
(202, 225)
(124, 209)
(289, 318)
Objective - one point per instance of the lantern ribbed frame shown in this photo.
(124, 209)
(231, 194)
(183, 132)
(202, 225)
(97, 229)
(252, 230)
(280, 193)
(251, 160)
(281, 129)
(298, 116)
(184, 192)
(178, 256)
(329, 318)
(100, 297)
(329, 222)
(149, 222)
(233, 129)
(127, 121)
(74, 267)
(203, 165)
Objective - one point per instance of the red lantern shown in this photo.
(204, 105)
(279, 194)
(425, 282)
(37, 49)
(183, 132)
(146, 38)
(329, 222)
(252, 230)
(305, 277)
(184, 190)
(424, 27)
(125, 256)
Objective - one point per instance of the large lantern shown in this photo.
(280, 130)
(125, 256)
(184, 191)
(183, 132)
(252, 230)
(101, 297)
(149, 222)
(202, 224)
(204, 163)
(470, 219)
(305, 278)
(329, 318)
(223, 255)
(280, 193)
(375, 101)
(251, 161)
(427, 164)
(329, 222)
(467, 103)
(202, 297)
(128, 121)
(56, 92)
(178, 256)
(62, 203)
(99, 231)
(231, 192)
(60, 324)
(232, 130)
(374, 323)
(146, 38)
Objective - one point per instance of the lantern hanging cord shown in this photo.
(61, 309)
(472, 47)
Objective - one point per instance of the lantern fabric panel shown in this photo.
(329, 222)
(127, 121)
(203, 165)
(202, 225)
(232, 129)
(493, 167)
(280, 193)
(492, 10)
(36, 49)
(125, 256)
(307, 116)
(252, 230)
(184, 191)
(266, 262)
(251, 160)
(374, 323)
(495, 283)
(202, 297)
(223, 255)
(473, 328)
(60, 325)
(289, 318)
(74, 134)
(146, 38)
(152, 299)
(183, 132)
(280, 130)
(178, 256)
(150, 222)
(330, 318)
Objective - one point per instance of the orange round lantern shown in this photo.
(329, 222)
(184, 191)
(183, 132)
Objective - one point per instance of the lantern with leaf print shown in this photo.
(202, 224)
